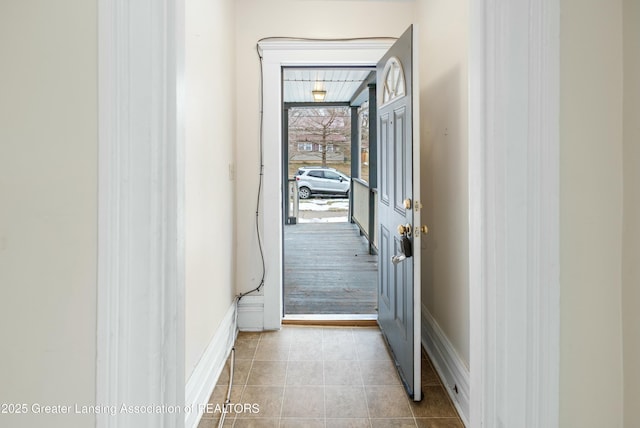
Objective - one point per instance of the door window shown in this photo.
(393, 81)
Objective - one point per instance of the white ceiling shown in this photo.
(340, 83)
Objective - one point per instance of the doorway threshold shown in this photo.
(345, 320)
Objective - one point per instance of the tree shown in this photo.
(323, 127)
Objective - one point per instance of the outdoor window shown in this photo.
(363, 126)
(305, 147)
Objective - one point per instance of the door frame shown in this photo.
(140, 335)
(514, 140)
(275, 55)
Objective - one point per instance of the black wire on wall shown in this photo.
(261, 138)
(260, 181)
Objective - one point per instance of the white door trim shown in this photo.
(514, 212)
(275, 55)
(140, 337)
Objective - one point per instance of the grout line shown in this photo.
(284, 388)
(441, 384)
(364, 388)
(246, 381)
(324, 381)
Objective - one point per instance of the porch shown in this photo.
(328, 269)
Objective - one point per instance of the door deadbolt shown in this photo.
(404, 229)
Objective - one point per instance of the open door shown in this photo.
(399, 212)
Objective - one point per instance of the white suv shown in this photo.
(320, 180)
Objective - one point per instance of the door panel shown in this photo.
(385, 280)
(383, 157)
(400, 158)
(399, 281)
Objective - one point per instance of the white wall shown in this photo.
(591, 164)
(631, 231)
(443, 54)
(257, 19)
(209, 164)
(48, 208)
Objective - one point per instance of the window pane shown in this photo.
(363, 118)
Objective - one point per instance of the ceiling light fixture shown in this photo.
(318, 95)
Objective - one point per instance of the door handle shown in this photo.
(404, 229)
(406, 251)
(398, 258)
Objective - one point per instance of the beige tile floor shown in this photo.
(328, 378)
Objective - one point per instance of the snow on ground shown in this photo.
(324, 205)
(323, 220)
(323, 210)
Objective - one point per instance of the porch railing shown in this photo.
(291, 202)
(364, 212)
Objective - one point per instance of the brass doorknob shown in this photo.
(404, 229)
(407, 204)
(424, 229)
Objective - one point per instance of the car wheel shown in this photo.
(304, 193)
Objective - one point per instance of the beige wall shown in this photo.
(631, 226)
(591, 213)
(443, 55)
(293, 18)
(209, 163)
(443, 82)
(48, 207)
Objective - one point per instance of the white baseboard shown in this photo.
(205, 375)
(452, 370)
(251, 313)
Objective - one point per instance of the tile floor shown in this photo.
(327, 378)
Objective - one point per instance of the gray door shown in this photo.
(398, 278)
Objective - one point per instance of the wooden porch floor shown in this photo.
(328, 270)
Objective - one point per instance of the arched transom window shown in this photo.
(394, 85)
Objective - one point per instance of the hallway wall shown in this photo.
(631, 213)
(256, 19)
(591, 200)
(48, 211)
(209, 165)
(443, 56)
